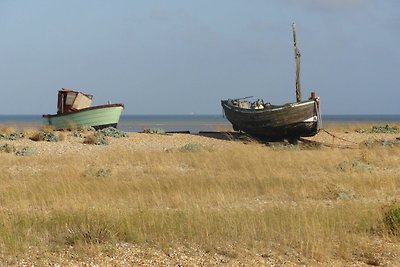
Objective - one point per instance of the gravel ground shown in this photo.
(134, 141)
(131, 255)
(154, 142)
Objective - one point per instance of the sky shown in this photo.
(184, 56)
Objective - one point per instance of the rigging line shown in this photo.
(331, 134)
(327, 145)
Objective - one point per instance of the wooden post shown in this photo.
(297, 61)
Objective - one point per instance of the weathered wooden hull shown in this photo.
(97, 117)
(289, 121)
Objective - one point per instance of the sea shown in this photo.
(187, 123)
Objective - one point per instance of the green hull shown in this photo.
(97, 117)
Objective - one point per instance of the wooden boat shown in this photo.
(276, 122)
(74, 111)
(272, 122)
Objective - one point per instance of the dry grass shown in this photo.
(323, 204)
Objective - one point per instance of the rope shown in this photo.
(332, 145)
(327, 145)
(340, 138)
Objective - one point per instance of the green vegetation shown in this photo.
(97, 138)
(45, 136)
(154, 131)
(11, 136)
(380, 129)
(113, 132)
(355, 165)
(24, 151)
(75, 133)
(7, 148)
(381, 142)
(392, 219)
(191, 147)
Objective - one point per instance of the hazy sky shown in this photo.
(184, 56)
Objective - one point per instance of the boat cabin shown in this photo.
(259, 104)
(69, 100)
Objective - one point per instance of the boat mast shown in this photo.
(297, 60)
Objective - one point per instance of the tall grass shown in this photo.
(249, 195)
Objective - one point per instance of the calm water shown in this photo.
(192, 123)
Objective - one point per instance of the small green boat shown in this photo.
(74, 111)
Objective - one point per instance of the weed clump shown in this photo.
(103, 172)
(154, 131)
(391, 220)
(26, 151)
(96, 139)
(7, 148)
(312, 146)
(88, 231)
(76, 134)
(11, 136)
(283, 146)
(45, 136)
(381, 143)
(113, 132)
(86, 129)
(191, 147)
(343, 193)
(355, 165)
(380, 129)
